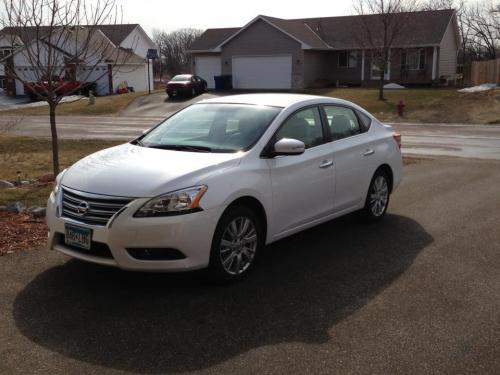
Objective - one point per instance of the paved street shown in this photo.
(476, 141)
(418, 293)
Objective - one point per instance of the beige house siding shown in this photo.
(261, 39)
(448, 52)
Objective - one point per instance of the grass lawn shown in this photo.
(32, 158)
(104, 105)
(425, 104)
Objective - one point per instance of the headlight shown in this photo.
(58, 181)
(175, 203)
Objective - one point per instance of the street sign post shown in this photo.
(151, 55)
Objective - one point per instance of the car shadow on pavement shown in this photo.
(160, 323)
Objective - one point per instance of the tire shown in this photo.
(193, 92)
(377, 198)
(205, 87)
(237, 240)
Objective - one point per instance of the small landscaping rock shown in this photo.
(6, 185)
(16, 207)
(39, 212)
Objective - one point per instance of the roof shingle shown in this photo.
(422, 28)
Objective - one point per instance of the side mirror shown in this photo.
(289, 146)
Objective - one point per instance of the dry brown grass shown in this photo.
(31, 158)
(104, 105)
(429, 105)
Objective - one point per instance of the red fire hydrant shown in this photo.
(401, 107)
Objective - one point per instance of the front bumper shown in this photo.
(191, 234)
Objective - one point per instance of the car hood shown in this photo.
(134, 171)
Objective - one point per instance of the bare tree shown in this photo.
(381, 27)
(437, 4)
(483, 23)
(174, 46)
(52, 39)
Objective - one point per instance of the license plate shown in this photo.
(78, 236)
(174, 93)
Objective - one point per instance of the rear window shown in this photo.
(366, 121)
(183, 77)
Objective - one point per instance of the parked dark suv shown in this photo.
(186, 84)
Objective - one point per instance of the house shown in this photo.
(274, 53)
(122, 60)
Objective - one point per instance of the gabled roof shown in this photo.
(300, 30)
(211, 38)
(424, 28)
(115, 33)
(118, 33)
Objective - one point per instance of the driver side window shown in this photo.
(304, 126)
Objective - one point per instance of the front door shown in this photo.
(303, 185)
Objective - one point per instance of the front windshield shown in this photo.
(212, 127)
(184, 77)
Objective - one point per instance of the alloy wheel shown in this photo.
(238, 245)
(379, 196)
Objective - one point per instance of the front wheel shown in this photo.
(193, 92)
(377, 199)
(235, 245)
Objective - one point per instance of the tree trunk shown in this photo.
(55, 144)
(381, 85)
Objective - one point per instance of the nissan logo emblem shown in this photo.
(83, 208)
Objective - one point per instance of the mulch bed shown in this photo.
(21, 232)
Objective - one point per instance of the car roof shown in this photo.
(269, 99)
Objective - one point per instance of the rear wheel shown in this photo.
(377, 199)
(235, 245)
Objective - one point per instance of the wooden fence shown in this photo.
(485, 72)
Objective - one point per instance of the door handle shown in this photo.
(326, 164)
(369, 152)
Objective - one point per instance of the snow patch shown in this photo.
(393, 86)
(480, 88)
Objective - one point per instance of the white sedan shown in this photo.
(214, 183)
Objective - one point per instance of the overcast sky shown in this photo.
(203, 14)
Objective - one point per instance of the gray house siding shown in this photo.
(344, 75)
(315, 68)
(261, 39)
(448, 52)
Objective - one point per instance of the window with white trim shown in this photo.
(413, 60)
(348, 59)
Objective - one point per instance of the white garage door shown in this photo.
(262, 72)
(207, 67)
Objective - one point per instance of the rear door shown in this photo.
(303, 185)
(353, 153)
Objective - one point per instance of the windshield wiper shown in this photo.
(193, 148)
(137, 142)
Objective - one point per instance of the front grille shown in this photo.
(97, 249)
(90, 208)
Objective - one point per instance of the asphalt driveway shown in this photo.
(417, 293)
